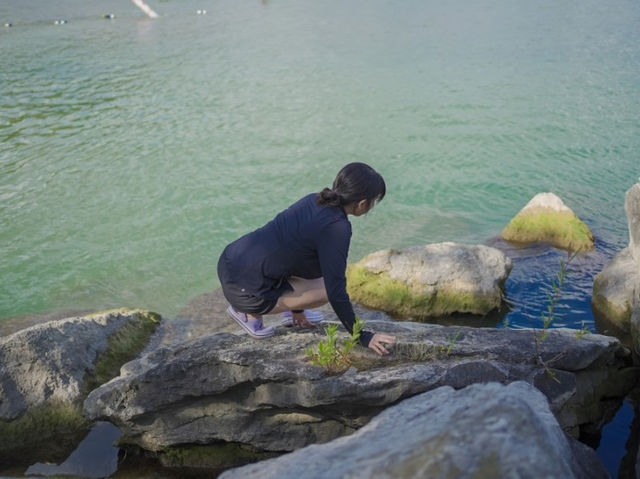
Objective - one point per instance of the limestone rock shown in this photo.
(617, 286)
(432, 280)
(47, 370)
(632, 208)
(225, 388)
(614, 288)
(546, 219)
(484, 431)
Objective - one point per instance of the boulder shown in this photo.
(546, 219)
(47, 370)
(224, 389)
(482, 431)
(617, 286)
(632, 208)
(428, 281)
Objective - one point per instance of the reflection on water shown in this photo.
(96, 456)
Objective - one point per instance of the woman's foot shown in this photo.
(251, 325)
(312, 317)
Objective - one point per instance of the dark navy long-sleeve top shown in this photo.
(305, 240)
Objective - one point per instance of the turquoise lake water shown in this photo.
(132, 150)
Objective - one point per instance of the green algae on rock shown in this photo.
(379, 291)
(124, 345)
(21, 437)
(430, 281)
(546, 219)
(212, 456)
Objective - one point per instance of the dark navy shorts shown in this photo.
(246, 301)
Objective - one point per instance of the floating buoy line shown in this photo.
(110, 16)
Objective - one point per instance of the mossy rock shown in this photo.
(48, 433)
(50, 368)
(380, 291)
(546, 219)
(606, 311)
(212, 456)
(124, 346)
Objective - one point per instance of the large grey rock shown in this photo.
(482, 431)
(47, 370)
(431, 280)
(50, 363)
(617, 286)
(226, 387)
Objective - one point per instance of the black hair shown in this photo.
(355, 182)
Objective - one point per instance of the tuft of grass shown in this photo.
(563, 230)
(583, 332)
(380, 292)
(124, 346)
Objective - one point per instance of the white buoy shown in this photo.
(145, 8)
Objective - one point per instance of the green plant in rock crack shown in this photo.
(333, 355)
(548, 317)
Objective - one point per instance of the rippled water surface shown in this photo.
(132, 150)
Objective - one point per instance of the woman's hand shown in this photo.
(379, 341)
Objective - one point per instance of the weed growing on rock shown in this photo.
(549, 316)
(332, 355)
(583, 332)
(452, 344)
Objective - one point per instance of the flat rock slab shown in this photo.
(226, 387)
(430, 281)
(482, 431)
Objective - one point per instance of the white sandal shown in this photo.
(254, 327)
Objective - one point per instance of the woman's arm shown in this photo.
(333, 249)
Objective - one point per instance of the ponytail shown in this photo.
(328, 197)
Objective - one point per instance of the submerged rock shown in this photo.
(483, 430)
(432, 280)
(47, 370)
(546, 219)
(617, 287)
(231, 388)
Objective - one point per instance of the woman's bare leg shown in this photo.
(306, 294)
